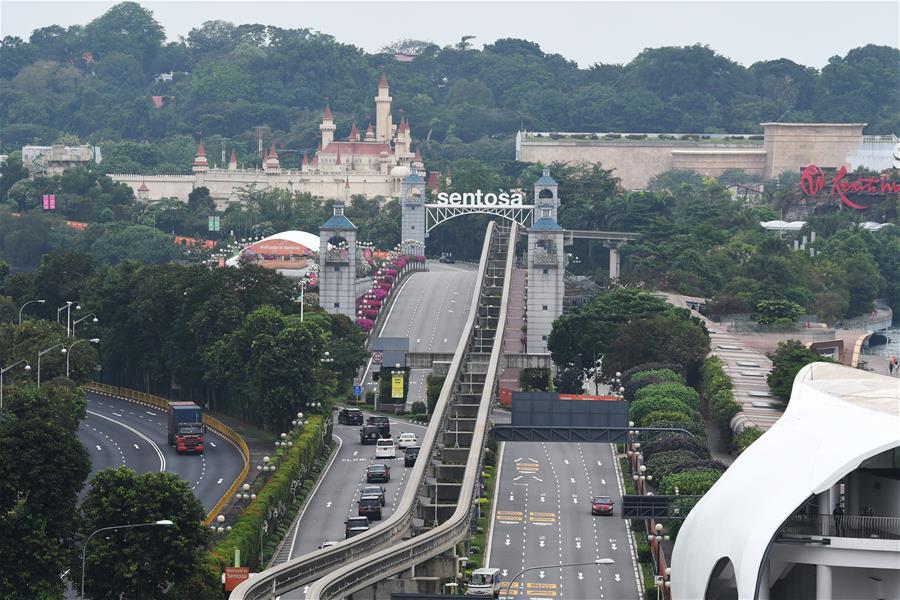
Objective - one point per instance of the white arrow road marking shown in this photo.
(541, 574)
(603, 482)
(445, 339)
(328, 504)
(219, 482)
(510, 497)
(580, 576)
(213, 444)
(543, 498)
(617, 578)
(117, 415)
(136, 447)
(518, 477)
(355, 452)
(504, 572)
(99, 448)
(572, 479)
(613, 547)
(566, 461)
(538, 478)
(162, 459)
(541, 542)
(508, 542)
(418, 340)
(574, 499)
(599, 463)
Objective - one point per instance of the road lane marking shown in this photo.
(99, 448)
(162, 459)
(136, 447)
(219, 482)
(117, 415)
(322, 478)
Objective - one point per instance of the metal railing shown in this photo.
(386, 537)
(211, 422)
(848, 526)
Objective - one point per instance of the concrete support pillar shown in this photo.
(613, 258)
(823, 582)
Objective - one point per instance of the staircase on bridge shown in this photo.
(439, 494)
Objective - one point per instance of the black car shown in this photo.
(446, 259)
(355, 526)
(374, 490)
(369, 506)
(410, 455)
(350, 416)
(369, 434)
(378, 474)
(383, 424)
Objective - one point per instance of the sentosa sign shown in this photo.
(814, 181)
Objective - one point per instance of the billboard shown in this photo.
(397, 384)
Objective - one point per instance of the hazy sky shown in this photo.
(807, 32)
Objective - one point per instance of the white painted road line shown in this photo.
(162, 459)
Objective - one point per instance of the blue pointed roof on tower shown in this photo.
(413, 177)
(546, 222)
(546, 179)
(338, 220)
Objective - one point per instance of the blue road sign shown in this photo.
(357, 390)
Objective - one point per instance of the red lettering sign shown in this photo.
(234, 576)
(812, 183)
(812, 180)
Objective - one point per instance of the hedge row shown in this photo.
(294, 464)
(718, 395)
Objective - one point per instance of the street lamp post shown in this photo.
(2, 371)
(163, 522)
(40, 354)
(26, 304)
(598, 561)
(69, 350)
(74, 323)
(68, 308)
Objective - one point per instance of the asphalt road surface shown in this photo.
(120, 433)
(543, 517)
(334, 499)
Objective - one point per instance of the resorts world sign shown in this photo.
(814, 181)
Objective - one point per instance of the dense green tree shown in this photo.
(787, 360)
(673, 336)
(142, 562)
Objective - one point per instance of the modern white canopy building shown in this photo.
(767, 529)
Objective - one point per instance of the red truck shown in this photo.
(186, 428)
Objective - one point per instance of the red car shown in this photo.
(602, 505)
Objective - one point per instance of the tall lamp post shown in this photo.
(76, 322)
(598, 561)
(68, 308)
(2, 371)
(26, 304)
(163, 523)
(40, 354)
(75, 343)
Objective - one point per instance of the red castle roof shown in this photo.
(354, 148)
(327, 116)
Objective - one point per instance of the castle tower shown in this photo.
(370, 133)
(337, 264)
(546, 267)
(418, 165)
(272, 164)
(403, 141)
(304, 166)
(354, 134)
(412, 206)
(383, 125)
(338, 164)
(546, 192)
(232, 161)
(143, 192)
(201, 164)
(327, 127)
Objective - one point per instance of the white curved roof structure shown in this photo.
(303, 238)
(837, 418)
(783, 225)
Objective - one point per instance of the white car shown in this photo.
(406, 440)
(385, 448)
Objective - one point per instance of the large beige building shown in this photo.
(636, 158)
(372, 163)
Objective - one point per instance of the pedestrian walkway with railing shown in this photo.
(848, 526)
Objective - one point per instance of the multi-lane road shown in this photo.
(120, 433)
(334, 498)
(543, 517)
(430, 311)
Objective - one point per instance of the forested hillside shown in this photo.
(95, 83)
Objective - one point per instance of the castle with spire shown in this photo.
(372, 163)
